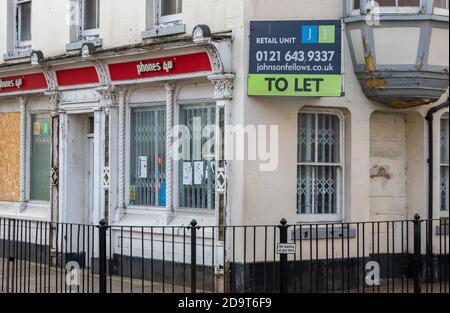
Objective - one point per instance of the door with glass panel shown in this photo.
(148, 157)
(196, 179)
(40, 157)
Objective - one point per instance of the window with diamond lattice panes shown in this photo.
(148, 157)
(444, 189)
(40, 157)
(197, 168)
(319, 167)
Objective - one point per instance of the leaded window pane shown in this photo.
(148, 157)
(40, 157)
(196, 168)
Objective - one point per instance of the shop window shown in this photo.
(40, 153)
(196, 167)
(90, 16)
(148, 157)
(23, 23)
(319, 166)
(444, 190)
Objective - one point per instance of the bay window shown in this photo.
(148, 157)
(196, 178)
(440, 7)
(40, 153)
(319, 166)
(444, 190)
(23, 23)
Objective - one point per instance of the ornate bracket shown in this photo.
(102, 72)
(50, 78)
(223, 86)
(108, 96)
(54, 98)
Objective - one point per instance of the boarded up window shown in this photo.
(9, 156)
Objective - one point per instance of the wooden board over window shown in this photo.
(9, 156)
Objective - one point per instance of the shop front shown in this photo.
(118, 136)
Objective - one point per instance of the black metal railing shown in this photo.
(361, 257)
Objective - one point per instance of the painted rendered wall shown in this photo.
(121, 23)
(281, 184)
(387, 165)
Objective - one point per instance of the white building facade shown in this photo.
(91, 89)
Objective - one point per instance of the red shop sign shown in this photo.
(77, 76)
(176, 65)
(23, 83)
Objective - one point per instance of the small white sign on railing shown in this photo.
(286, 248)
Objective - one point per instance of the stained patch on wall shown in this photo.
(9, 156)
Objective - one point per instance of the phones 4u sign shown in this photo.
(296, 58)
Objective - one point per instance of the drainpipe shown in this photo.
(429, 117)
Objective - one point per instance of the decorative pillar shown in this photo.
(23, 157)
(101, 153)
(121, 160)
(54, 171)
(54, 174)
(223, 94)
(170, 91)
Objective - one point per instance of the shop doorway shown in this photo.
(80, 169)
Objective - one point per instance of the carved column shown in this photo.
(223, 94)
(53, 98)
(23, 157)
(101, 153)
(170, 90)
(121, 160)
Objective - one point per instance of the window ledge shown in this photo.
(76, 45)
(308, 232)
(164, 31)
(17, 54)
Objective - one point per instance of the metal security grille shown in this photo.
(444, 164)
(319, 163)
(40, 157)
(196, 169)
(148, 155)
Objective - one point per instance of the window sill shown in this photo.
(164, 31)
(76, 45)
(19, 53)
(321, 232)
